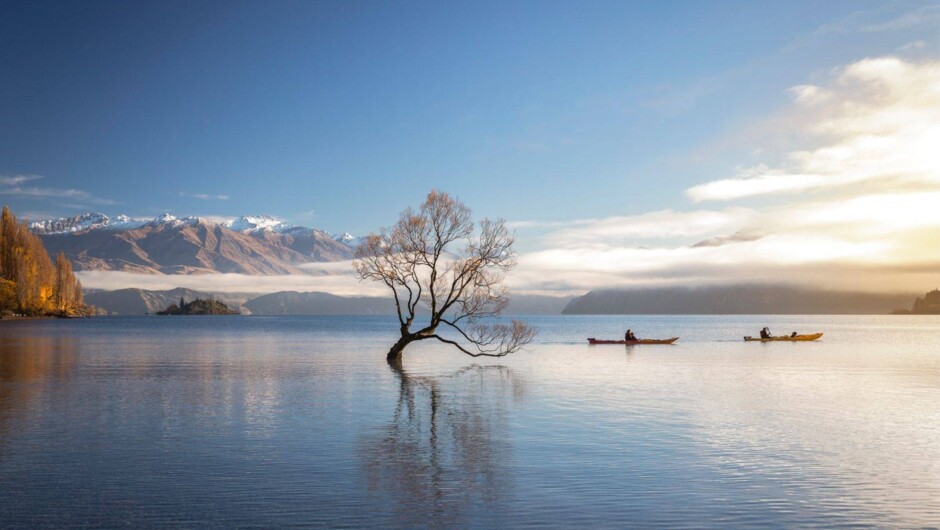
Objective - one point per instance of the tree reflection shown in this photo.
(446, 449)
(25, 363)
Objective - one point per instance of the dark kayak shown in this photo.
(640, 341)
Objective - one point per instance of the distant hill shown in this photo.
(531, 304)
(315, 303)
(742, 299)
(144, 302)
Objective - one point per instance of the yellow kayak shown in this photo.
(786, 338)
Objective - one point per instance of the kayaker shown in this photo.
(628, 336)
(765, 333)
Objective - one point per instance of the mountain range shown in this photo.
(734, 299)
(190, 245)
(741, 299)
(132, 301)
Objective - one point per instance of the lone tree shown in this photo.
(434, 257)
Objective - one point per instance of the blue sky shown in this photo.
(628, 143)
(340, 114)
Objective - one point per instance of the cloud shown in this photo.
(810, 94)
(74, 195)
(820, 259)
(204, 196)
(878, 120)
(12, 186)
(327, 279)
(924, 16)
(916, 45)
(16, 180)
(856, 207)
(880, 241)
(885, 19)
(659, 225)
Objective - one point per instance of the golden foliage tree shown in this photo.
(29, 282)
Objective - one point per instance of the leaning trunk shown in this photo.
(399, 347)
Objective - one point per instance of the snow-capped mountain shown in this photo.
(349, 240)
(251, 244)
(172, 220)
(252, 223)
(85, 221)
(246, 224)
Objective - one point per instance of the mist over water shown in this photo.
(264, 422)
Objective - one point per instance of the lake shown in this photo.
(264, 422)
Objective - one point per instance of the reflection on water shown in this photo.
(27, 363)
(298, 422)
(446, 449)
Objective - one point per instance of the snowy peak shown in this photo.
(164, 218)
(100, 221)
(86, 221)
(348, 239)
(70, 224)
(172, 220)
(252, 223)
(246, 224)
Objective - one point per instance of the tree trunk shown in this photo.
(399, 347)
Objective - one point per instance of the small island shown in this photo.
(198, 307)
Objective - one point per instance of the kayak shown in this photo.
(630, 342)
(785, 338)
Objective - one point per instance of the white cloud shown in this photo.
(345, 284)
(16, 180)
(884, 19)
(810, 94)
(879, 120)
(659, 225)
(58, 193)
(924, 16)
(871, 223)
(204, 196)
(11, 186)
(916, 45)
(818, 259)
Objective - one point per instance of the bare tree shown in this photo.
(434, 258)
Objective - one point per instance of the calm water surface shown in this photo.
(255, 422)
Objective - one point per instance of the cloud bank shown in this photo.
(336, 278)
(857, 207)
(878, 121)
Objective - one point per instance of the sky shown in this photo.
(627, 143)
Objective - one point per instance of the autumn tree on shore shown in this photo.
(29, 282)
(434, 260)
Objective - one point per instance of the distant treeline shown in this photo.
(30, 284)
(928, 305)
(198, 307)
